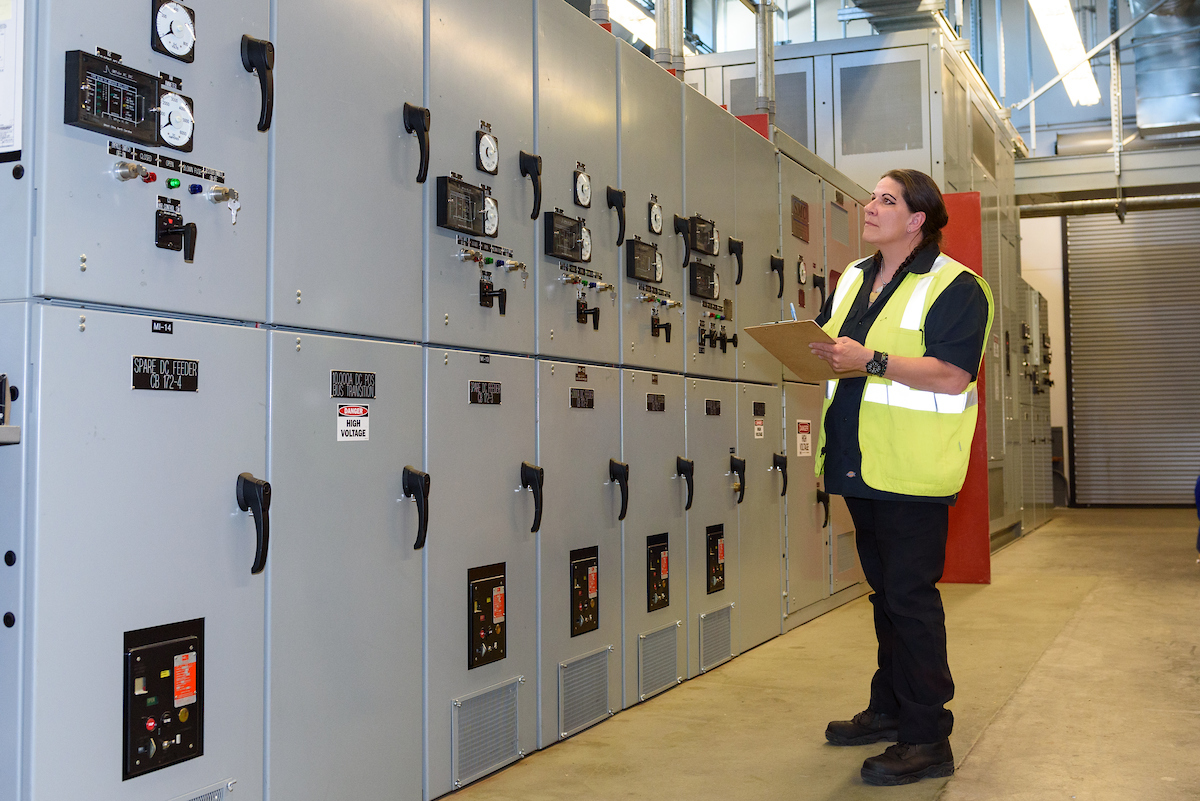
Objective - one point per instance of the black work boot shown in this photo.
(905, 763)
(866, 727)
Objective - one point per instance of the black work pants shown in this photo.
(902, 547)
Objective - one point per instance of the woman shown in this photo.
(896, 445)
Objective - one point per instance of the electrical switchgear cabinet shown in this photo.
(807, 557)
(803, 223)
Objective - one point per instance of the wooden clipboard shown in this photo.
(788, 341)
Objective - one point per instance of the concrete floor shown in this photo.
(1077, 672)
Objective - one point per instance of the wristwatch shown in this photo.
(878, 364)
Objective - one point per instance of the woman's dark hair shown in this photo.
(920, 193)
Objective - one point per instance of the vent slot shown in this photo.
(583, 692)
(485, 735)
(214, 792)
(716, 638)
(881, 108)
(658, 660)
(845, 552)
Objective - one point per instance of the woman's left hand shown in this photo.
(843, 354)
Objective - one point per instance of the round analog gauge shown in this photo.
(487, 152)
(658, 267)
(585, 244)
(716, 283)
(175, 121)
(583, 189)
(491, 216)
(655, 218)
(801, 273)
(716, 242)
(175, 31)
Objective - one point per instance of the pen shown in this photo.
(793, 305)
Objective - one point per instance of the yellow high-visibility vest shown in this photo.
(913, 442)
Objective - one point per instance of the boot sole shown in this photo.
(881, 736)
(887, 780)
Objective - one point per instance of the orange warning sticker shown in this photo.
(498, 604)
(185, 679)
(721, 551)
(664, 564)
(593, 582)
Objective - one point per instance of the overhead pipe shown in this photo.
(677, 37)
(599, 12)
(1118, 206)
(662, 33)
(764, 59)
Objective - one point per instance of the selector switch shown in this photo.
(128, 170)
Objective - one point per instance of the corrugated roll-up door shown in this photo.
(1134, 326)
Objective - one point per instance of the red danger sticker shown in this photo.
(593, 582)
(721, 551)
(498, 604)
(185, 679)
(664, 564)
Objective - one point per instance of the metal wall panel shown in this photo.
(481, 78)
(107, 253)
(807, 568)
(133, 523)
(577, 133)
(794, 100)
(709, 181)
(843, 232)
(760, 514)
(758, 296)
(844, 568)
(475, 451)
(803, 235)
(651, 139)
(347, 238)
(579, 432)
(1136, 434)
(652, 441)
(352, 649)
(711, 442)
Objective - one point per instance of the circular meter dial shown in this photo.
(487, 152)
(175, 31)
(583, 189)
(175, 121)
(716, 285)
(658, 267)
(655, 218)
(585, 244)
(491, 216)
(716, 242)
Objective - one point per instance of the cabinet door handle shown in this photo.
(254, 496)
(416, 486)
(531, 168)
(687, 469)
(616, 200)
(619, 472)
(683, 229)
(777, 267)
(779, 462)
(736, 248)
(258, 55)
(416, 122)
(532, 478)
(738, 466)
(823, 499)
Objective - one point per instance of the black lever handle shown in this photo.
(687, 469)
(616, 200)
(619, 472)
(486, 293)
(739, 466)
(823, 498)
(254, 496)
(656, 326)
(416, 122)
(189, 232)
(258, 55)
(582, 312)
(532, 478)
(737, 247)
(531, 168)
(416, 485)
(819, 283)
(683, 229)
(8, 394)
(777, 267)
(779, 462)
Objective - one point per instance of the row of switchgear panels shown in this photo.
(363, 371)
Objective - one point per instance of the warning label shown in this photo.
(721, 551)
(498, 604)
(593, 582)
(185, 679)
(759, 428)
(804, 438)
(664, 564)
(353, 423)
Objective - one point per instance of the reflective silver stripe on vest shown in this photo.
(843, 288)
(830, 388)
(905, 397)
(914, 312)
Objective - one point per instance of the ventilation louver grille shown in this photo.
(485, 732)
(582, 692)
(658, 662)
(716, 638)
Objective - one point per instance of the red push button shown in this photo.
(150, 724)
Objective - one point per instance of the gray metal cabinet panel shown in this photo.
(756, 183)
(844, 568)
(807, 558)
(480, 56)
(346, 206)
(134, 522)
(843, 232)
(84, 212)
(711, 440)
(577, 124)
(651, 443)
(575, 445)
(651, 134)
(760, 514)
(709, 134)
(801, 199)
(345, 632)
(482, 518)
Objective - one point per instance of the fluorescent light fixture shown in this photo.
(634, 20)
(1057, 23)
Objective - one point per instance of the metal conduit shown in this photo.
(662, 29)
(599, 12)
(764, 52)
(1118, 206)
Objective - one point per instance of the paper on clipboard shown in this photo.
(788, 341)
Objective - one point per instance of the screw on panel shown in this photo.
(641, 697)
(521, 752)
(457, 704)
(297, 344)
(521, 680)
(552, 369)
(457, 783)
(562, 735)
(610, 649)
(82, 323)
(632, 346)
(641, 636)
(704, 617)
(297, 295)
(82, 262)
(447, 359)
(447, 322)
(552, 333)
(18, 172)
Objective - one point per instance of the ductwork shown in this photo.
(1168, 70)
(888, 16)
(1116, 206)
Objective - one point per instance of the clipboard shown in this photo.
(788, 341)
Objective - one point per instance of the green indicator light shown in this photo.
(488, 260)
(172, 183)
(152, 701)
